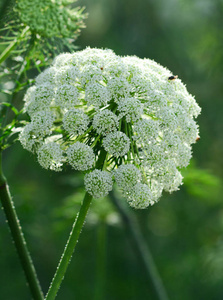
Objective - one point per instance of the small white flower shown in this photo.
(126, 177)
(116, 143)
(47, 76)
(75, 121)
(28, 139)
(40, 98)
(141, 197)
(50, 156)
(98, 183)
(66, 96)
(97, 94)
(105, 122)
(80, 156)
(146, 130)
(131, 108)
(42, 123)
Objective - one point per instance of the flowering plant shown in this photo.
(121, 119)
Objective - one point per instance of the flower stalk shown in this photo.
(69, 248)
(73, 239)
(18, 237)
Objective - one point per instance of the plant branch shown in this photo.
(18, 238)
(141, 247)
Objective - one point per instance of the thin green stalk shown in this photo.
(69, 249)
(141, 248)
(73, 238)
(18, 238)
(10, 48)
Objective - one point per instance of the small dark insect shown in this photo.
(173, 77)
(198, 139)
(102, 68)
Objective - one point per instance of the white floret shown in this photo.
(131, 109)
(126, 177)
(97, 94)
(28, 139)
(75, 121)
(42, 122)
(141, 197)
(40, 98)
(66, 96)
(98, 183)
(80, 156)
(116, 143)
(50, 156)
(105, 122)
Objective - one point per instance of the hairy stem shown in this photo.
(69, 248)
(141, 248)
(18, 238)
(73, 239)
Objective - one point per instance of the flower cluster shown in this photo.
(50, 18)
(116, 118)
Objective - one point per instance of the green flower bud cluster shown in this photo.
(50, 18)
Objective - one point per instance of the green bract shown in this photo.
(93, 102)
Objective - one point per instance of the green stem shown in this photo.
(12, 46)
(18, 238)
(69, 249)
(73, 238)
(141, 247)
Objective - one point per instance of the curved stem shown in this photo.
(18, 238)
(141, 248)
(69, 249)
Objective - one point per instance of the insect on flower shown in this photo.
(173, 77)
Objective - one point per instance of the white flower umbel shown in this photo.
(126, 177)
(131, 108)
(28, 139)
(80, 156)
(42, 123)
(50, 156)
(39, 99)
(141, 197)
(105, 122)
(75, 121)
(124, 115)
(98, 183)
(67, 96)
(116, 143)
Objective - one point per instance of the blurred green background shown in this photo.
(185, 229)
